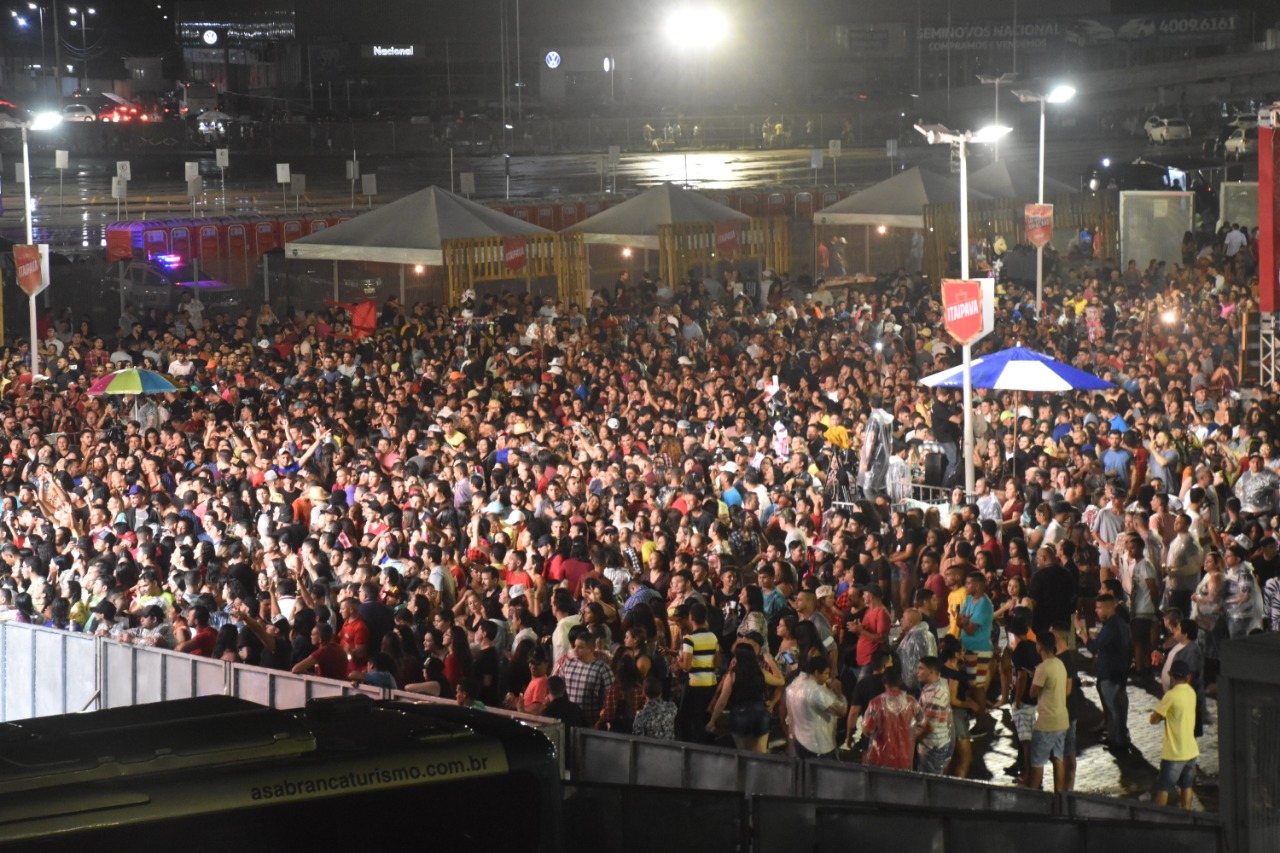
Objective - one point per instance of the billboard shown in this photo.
(1186, 29)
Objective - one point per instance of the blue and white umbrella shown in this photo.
(1019, 369)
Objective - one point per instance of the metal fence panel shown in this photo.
(66, 671)
(768, 774)
(661, 763)
(1005, 799)
(1127, 837)
(712, 769)
(890, 786)
(837, 828)
(18, 700)
(976, 835)
(595, 757)
(947, 794)
(834, 780)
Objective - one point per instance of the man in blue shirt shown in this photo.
(1110, 649)
(974, 621)
(1116, 461)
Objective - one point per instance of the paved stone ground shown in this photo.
(1099, 771)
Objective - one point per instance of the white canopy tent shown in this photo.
(1002, 179)
(412, 230)
(635, 222)
(408, 232)
(896, 202)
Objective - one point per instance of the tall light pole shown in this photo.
(40, 121)
(1056, 95)
(936, 134)
(44, 62)
(57, 54)
(996, 80)
(84, 40)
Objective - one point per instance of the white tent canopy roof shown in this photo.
(412, 230)
(898, 202)
(635, 222)
(1003, 179)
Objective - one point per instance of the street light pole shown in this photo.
(939, 135)
(42, 121)
(84, 43)
(996, 80)
(44, 61)
(1058, 95)
(57, 54)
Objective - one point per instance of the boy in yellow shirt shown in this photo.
(1178, 751)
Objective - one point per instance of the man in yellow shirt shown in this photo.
(1178, 752)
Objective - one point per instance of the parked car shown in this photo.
(1087, 31)
(1168, 130)
(1245, 120)
(79, 112)
(160, 282)
(1242, 141)
(1136, 28)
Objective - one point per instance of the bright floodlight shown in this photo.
(45, 121)
(696, 25)
(1059, 94)
(990, 133)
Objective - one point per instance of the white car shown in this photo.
(1245, 120)
(1242, 141)
(1168, 130)
(79, 112)
(1087, 31)
(1136, 28)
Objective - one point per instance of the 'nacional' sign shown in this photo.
(1039, 224)
(514, 253)
(962, 308)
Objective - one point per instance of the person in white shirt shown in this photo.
(815, 701)
(1184, 560)
(988, 503)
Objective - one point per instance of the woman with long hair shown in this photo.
(457, 663)
(744, 690)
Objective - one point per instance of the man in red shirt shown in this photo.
(872, 629)
(328, 659)
(203, 637)
(353, 636)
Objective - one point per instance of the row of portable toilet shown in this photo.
(228, 237)
(794, 202)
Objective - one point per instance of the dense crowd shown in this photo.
(652, 514)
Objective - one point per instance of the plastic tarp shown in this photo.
(635, 222)
(412, 230)
(897, 202)
(1152, 225)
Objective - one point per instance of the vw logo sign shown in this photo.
(553, 59)
(209, 37)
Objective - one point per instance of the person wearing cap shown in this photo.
(1258, 489)
(153, 629)
(1178, 748)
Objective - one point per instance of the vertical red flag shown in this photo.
(1268, 220)
(514, 252)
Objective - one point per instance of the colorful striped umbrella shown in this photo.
(131, 380)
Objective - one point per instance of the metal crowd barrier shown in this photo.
(604, 758)
(44, 672)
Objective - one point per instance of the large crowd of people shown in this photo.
(659, 513)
